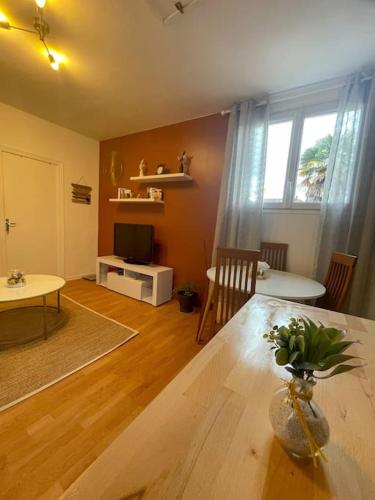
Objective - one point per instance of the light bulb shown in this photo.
(54, 64)
(41, 3)
(4, 23)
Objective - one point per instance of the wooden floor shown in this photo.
(48, 440)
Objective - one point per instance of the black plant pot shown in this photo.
(187, 301)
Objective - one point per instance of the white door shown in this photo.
(31, 214)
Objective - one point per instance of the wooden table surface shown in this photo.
(208, 435)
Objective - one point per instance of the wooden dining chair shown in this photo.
(274, 254)
(235, 281)
(337, 282)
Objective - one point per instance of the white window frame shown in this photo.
(297, 116)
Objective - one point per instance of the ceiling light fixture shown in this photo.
(180, 8)
(41, 29)
(54, 64)
(5, 25)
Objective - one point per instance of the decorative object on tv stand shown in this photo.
(123, 193)
(81, 193)
(185, 161)
(155, 194)
(40, 28)
(16, 279)
(142, 168)
(116, 168)
(187, 295)
(305, 348)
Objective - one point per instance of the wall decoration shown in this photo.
(161, 169)
(142, 168)
(116, 168)
(81, 193)
(124, 193)
(185, 161)
(155, 193)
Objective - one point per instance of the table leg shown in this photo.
(206, 311)
(45, 317)
(58, 301)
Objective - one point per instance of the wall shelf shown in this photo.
(179, 177)
(136, 200)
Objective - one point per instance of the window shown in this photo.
(298, 149)
(278, 144)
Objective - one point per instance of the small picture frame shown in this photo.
(155, 194)
(123, 193)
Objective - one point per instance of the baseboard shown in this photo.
(77, 277)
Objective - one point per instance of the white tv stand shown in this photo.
(152, 283)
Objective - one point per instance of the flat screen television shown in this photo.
(134, 243)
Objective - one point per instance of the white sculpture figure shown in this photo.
(142, 168)
(185, 161)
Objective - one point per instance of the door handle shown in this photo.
(9, 224)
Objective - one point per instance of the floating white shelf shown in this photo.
(162, 178)
(136, 200)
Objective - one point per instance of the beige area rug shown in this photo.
(78, 336)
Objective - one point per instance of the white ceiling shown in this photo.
(127, 71)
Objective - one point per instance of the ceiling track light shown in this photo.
(180, 8)
(41, 29)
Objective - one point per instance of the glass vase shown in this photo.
(287, 422)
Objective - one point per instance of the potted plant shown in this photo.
(187, 296)
(305, 349)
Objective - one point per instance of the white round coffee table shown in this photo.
(37, 285)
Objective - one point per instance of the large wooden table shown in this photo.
(207, 435)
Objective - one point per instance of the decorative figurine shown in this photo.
(185, 161)
(160, 169)
(142, 168)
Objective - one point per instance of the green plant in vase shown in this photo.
(305, 349)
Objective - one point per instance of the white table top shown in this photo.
(284, 285)
(36, 286)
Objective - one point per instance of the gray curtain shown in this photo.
(241, 197)
(348, 208)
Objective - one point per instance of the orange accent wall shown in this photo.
(186, 222)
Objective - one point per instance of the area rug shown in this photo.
(80, 337)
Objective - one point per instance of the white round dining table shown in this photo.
(283, 285)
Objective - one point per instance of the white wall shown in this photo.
(79, 156)
(300, 229)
